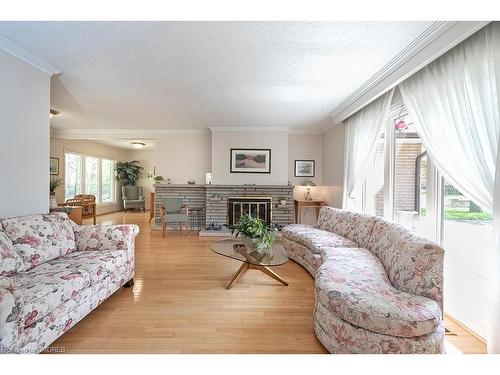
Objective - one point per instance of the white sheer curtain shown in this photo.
(454, 104)
(362, 132)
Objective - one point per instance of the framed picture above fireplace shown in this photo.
(250, 160)
(304, 168)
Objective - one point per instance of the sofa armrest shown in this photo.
(105, 237)
(10, 315)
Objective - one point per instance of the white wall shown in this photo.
(59, 146)
(223, 141)
(183, 157)
(24, 138)
(333, 165)
(305, 147)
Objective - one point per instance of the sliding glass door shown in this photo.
(467, 239)
(404, 185)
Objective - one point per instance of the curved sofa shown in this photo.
(378, 287)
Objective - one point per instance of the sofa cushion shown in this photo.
(384, 237)
(98, 264)
(415, 265)
(314, 238)
(351, 225)
(47, 286)
(39, 238)
(105, 237)
(10, 261)
(353, 284)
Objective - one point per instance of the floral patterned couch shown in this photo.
(378, 287)
(54, 272)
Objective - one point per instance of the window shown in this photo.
(375, 184)
(87, 174)
(467, 237)
(408, 149)
(107, 186)
(421, 184)
(73, 173)
(92, 176)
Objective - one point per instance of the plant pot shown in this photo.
(53, 201)
(253, 244)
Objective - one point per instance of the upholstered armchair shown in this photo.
(172, 211)
(133, 197)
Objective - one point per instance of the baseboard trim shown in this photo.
(462, 325)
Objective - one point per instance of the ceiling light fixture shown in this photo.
(138, 145)
(53, 113)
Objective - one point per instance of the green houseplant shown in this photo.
(255, 229)
(128, 172)
(54, 183)
(158, 179)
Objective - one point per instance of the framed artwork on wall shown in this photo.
(54, 166)
(250, 160)
(304, 168)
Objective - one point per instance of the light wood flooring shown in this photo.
(179, 305)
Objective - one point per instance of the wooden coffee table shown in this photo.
(275, 256)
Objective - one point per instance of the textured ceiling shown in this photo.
(195, 75)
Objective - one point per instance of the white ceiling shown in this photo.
(195, 75)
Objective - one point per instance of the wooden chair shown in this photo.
(172, 211)
(87, 202)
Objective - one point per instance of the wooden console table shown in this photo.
(300, 204)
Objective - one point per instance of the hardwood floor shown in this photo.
(179, 304)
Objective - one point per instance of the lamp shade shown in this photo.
(308, 183)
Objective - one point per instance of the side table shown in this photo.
(300, 204)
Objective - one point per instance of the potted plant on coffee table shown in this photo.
(258, 233)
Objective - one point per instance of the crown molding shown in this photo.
(306, 131)
(248, 129)
(26, 56)
(398, 69)
(120, 133)
(151, 133)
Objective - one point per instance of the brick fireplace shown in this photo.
(215, 200)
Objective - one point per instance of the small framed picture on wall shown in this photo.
(54, 166)
(304, 168)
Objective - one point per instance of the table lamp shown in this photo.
(307, 194)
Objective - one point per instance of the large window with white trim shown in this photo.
(89, 174)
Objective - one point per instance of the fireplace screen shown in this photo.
(254, 206)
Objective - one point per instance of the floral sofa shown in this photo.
(54, 272)
(378, 287)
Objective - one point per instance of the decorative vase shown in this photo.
(53, 201)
